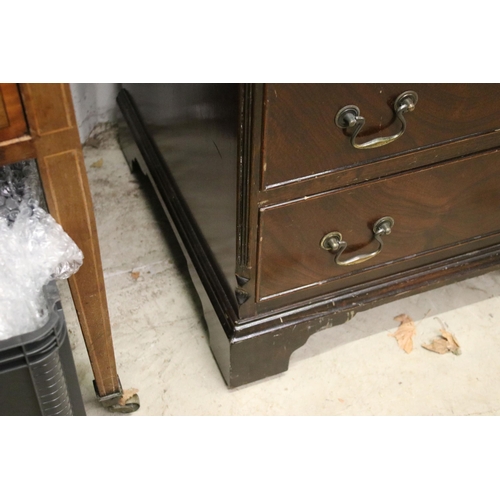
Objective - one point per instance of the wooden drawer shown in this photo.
(12, 121)
(301, 140)
(433, 208)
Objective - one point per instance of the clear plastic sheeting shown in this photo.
(34, 250)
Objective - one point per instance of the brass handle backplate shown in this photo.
(334, 243)
(350, 117)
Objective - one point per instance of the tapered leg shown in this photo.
(59, 155)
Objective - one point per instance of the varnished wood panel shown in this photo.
(433, 208)
(195, 128)
(4, 119)
(12, 121)
(302, 140)
(17, 150)
(53, 114)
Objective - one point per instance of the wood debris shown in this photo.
(446, 342)
(404, 334)
(129, 393)
(97, 164)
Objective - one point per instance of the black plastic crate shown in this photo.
(37, 371)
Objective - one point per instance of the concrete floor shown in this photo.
(356, 369)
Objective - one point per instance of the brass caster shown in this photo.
(121, 401)
(132, 404)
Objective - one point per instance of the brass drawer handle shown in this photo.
(333, 243)
(350, 116)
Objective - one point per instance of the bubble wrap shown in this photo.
(34, 250)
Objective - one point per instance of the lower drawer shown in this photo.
(433, 209)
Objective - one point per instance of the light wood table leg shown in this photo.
(51, 116)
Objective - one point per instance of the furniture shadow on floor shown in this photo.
(159, 217)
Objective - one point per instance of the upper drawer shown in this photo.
(302, 140)
(12, 122)
(434, 209)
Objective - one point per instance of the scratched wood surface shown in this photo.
(433, 208)
(301, 138)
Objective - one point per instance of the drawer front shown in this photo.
(434, 208)
(301, 139)
(12, 122)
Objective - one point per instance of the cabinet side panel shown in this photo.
(195, 127)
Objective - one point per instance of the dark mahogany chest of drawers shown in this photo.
(299, 205)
